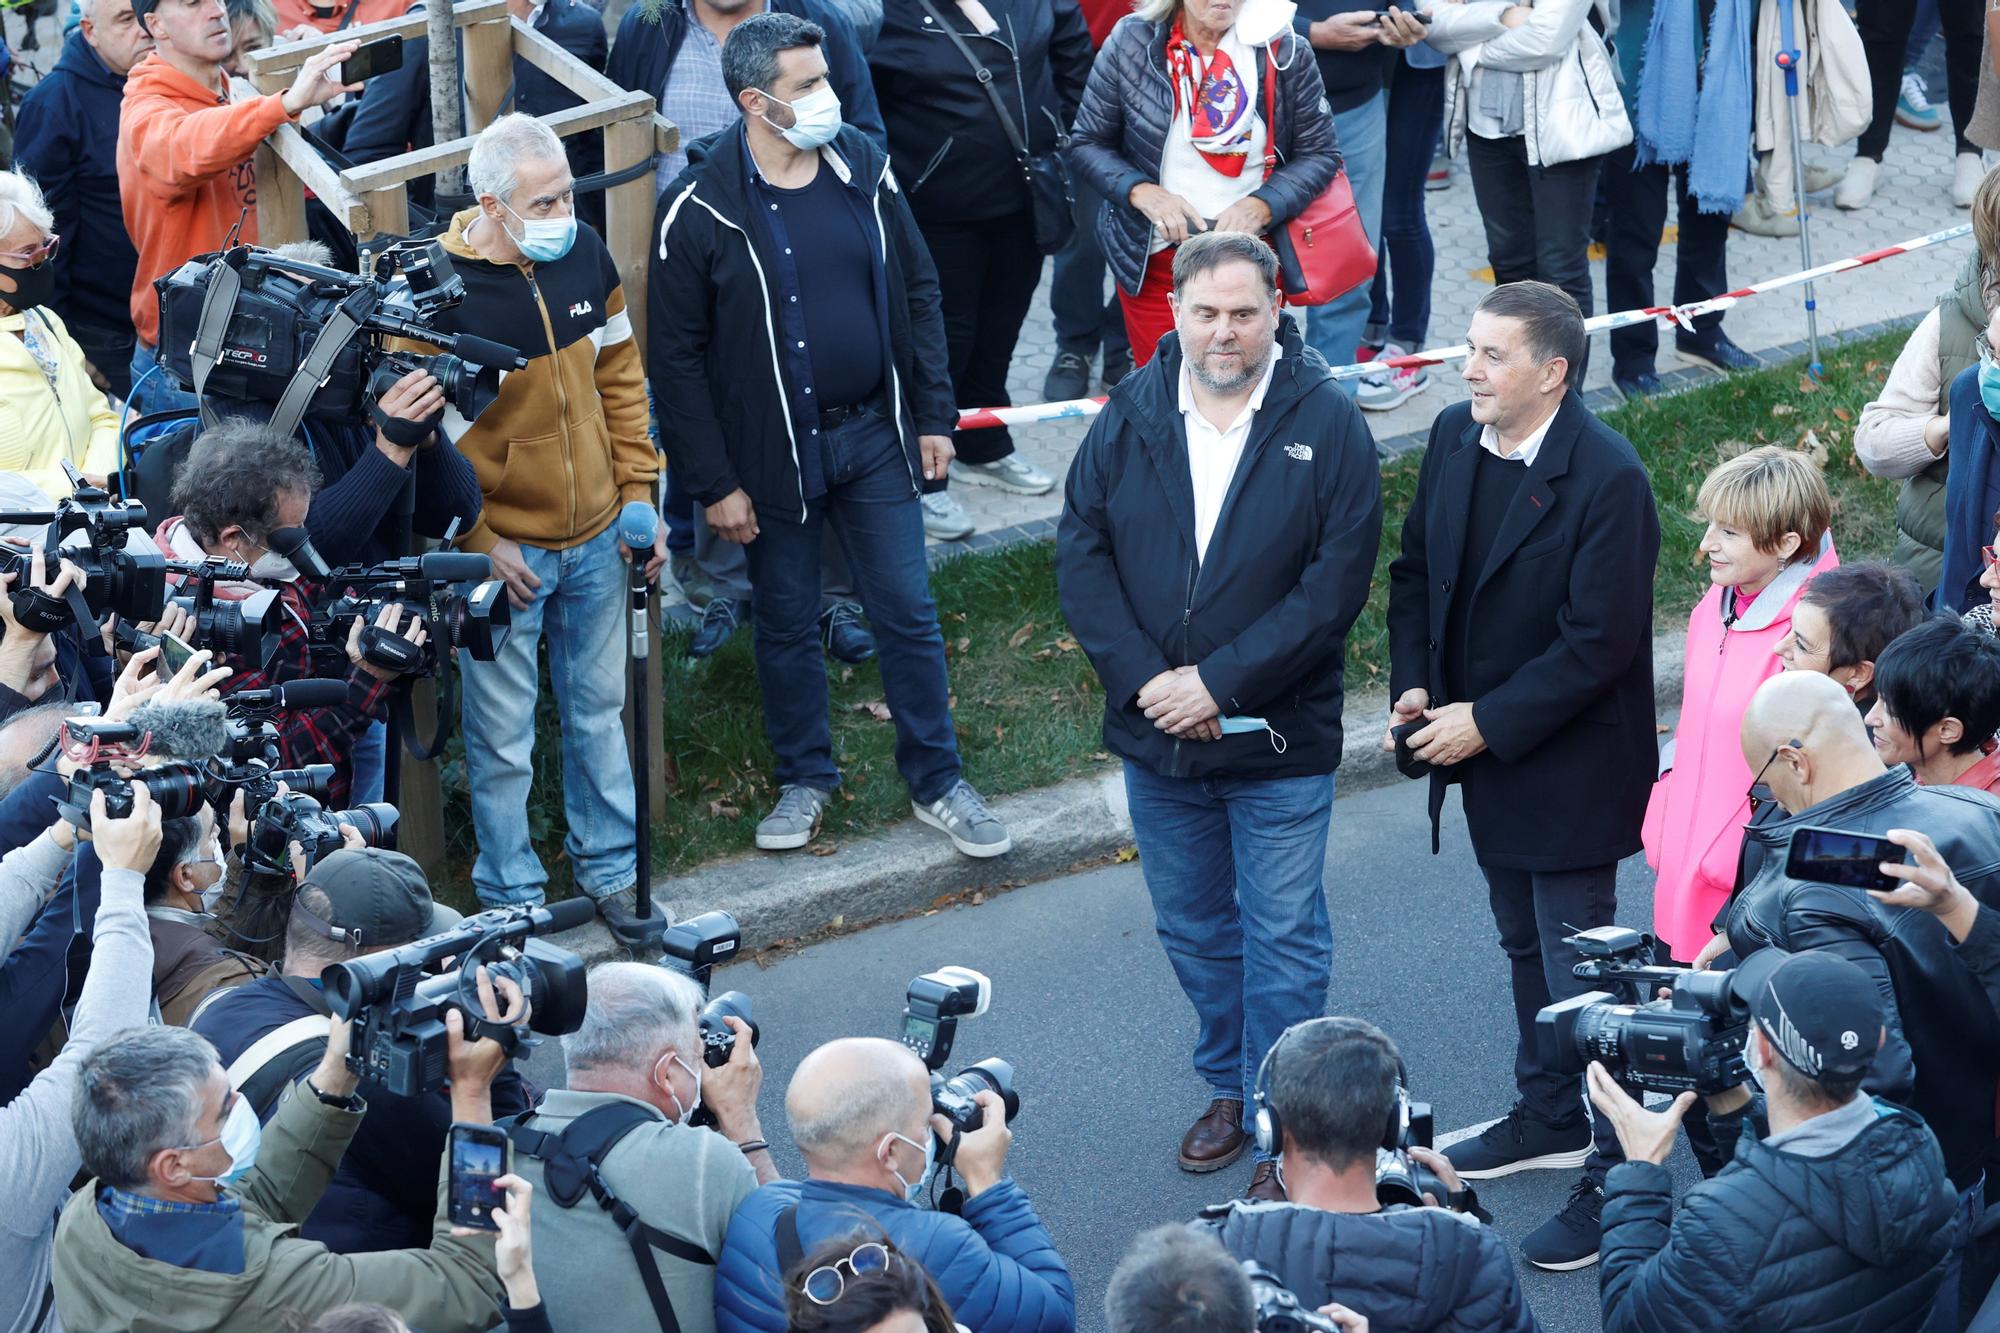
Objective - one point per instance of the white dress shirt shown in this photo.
(1213, 454)
(1525, 452)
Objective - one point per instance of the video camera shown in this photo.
(1691, 1041)
(932, 1006)
(1278, 1311)
(131, 585)
(397, 999)
(267, 328)
(475, 620)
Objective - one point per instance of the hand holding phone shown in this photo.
(479, 1158)
(377, 57)
(1843, 858)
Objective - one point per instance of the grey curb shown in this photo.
(911, 868)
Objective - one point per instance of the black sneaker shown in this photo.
(1715, 349)
(1636, 384)
(1519, 1142)
(844, 633)
(1569, 1240)
(1068, 378)
(718, 622)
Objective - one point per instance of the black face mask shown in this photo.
(32, 286)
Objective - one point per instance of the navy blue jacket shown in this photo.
(350, 519)
(1971, 494)
(1265, 616)
(66, 137)
(646, 48)
(56, 946)
(996, 1264)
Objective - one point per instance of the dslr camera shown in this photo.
(131, 585)
(1278, 1311)
(932, 1007)
(694, 947)
(397, 999)
(269, 329)
(1399, 1177)
(1691, 1041)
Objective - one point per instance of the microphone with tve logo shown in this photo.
(639, 528)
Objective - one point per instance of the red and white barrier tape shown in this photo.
(1683, 315)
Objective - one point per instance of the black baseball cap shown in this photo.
(1822, 1014)
(376, 899)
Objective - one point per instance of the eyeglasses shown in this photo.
(34, 258)
(825, 1285)
(1757, 802)
(1989, 557)
(1984, 347)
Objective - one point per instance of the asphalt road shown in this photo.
(1086, 1007)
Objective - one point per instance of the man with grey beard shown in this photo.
(1218, 531)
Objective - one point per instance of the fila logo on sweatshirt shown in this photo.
(580, 308)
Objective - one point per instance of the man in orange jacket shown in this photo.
(185, 174)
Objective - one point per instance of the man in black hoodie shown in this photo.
(1836, 1213)
(67, 139)
(1216, 540)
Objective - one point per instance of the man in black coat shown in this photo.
(1520, 630)
(1217, 537)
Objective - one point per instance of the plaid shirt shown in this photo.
(312, 735)
(118, 1205)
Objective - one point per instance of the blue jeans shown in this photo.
(157, 392)
(1086, 318)
(1416, 116)
(872, 504)
(370, 759)
(1237, 872)
(1363, 134)
(581, 606)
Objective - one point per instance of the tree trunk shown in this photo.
(447, 90)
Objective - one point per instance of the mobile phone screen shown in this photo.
(174, 654)
(1851, 860)
(377, 57)
(478, 1158)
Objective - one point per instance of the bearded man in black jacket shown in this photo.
(1216, 541)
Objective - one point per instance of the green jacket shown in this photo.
(286, 1282)
(1920, 522)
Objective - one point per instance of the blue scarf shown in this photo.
(1714, 142)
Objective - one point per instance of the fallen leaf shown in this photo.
(719, 810)
(1066, 644)
(978, 897)
(1042, 656)
(1812, 446)
(1661, 729)
(999, 733)
(1100, 754)
(1782, 409)
(1128, 854)
(846, 674)
(1872, 367)
(958, 616)
(1843, 414)
(1807, 384)
(846, 795)
(837, 922)
(1020, 636)
(875, 708)
(823, 849)
(963, 643)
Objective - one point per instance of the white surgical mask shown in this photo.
(683, 1112)
(914, 1189)
(544, 240)
(273, 567)
(1752, 1065)
(240, 1137)
(211, 895)
(815, 120)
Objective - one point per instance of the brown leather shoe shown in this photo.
(1265, 1187)
(1216, 1139)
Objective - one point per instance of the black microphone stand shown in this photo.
(647, 927)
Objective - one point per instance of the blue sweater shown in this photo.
(996, 1265)
(1971, 493)
(350, 520)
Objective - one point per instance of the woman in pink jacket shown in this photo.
(1768, 514)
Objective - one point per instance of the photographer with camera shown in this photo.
(1837, 1216)
(192, 1215)
(1330, 1098)
(636, 1079)
(240, 485)
(269, 1032)
(1180, 1279)
(1938, 704)
(38, 1150)
(861, 1112)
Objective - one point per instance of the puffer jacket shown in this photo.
(1416, 1270)
(996, 1264)
(1853, 1241)
(1128, 110)
(1572, 107)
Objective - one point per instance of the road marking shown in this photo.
(1654, 1102)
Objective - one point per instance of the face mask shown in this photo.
(32, 286)
(274, 567)
(1752, 1066)
(544, 240)
(211, 895)
(914, 1189)
(239, 1138)
(683, 1112)
(1989, 385)
(815, 120)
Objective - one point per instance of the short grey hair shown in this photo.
(1551, 317)
(853, 1117)
(20, 197)
(32, 729)
(1212, 249)
(497, 154)
(136, 1095)
(1178, 1278)
(633, 1010)
(750, 53)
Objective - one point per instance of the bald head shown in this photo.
(1811, 726)
(847, 1094)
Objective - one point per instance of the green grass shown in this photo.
(1027, 705)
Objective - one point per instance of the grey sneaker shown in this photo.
(962, 814)
(1012, 473)
(794, 819)
(944, 518)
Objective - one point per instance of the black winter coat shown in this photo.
(1560, 670)
(946, 141)
(727, 418)
(1128, 109)
(1415, 1270)
(1854, 1242)
(1266, 616)
(1942, 1055)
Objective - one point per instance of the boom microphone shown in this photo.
(184, 728)
(320, 693)
(455, 566)
(568, 914)
(481, 352)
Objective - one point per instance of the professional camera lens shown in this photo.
(477, 621)
(241, 627)
(176, 789)
(718, 1039)
(956, 1098)
(375, 822)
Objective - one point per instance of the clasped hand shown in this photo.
(1180, 705)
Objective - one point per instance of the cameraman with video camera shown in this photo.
(1331, 1097)
(861, 1112)
(356, 901)
(1839, 1215)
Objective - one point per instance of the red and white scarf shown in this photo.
(1216, 101)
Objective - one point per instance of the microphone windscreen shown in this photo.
(184, 728)
(294, 694)
(483, 352)
(455, 566)
(571, 913)
(638, 525)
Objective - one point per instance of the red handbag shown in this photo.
(1324, 253)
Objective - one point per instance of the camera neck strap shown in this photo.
(218, 305)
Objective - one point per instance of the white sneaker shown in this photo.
(1966, 175)
(1391, 388)
(945, 518)
(1012, 473)
(1857, 187)
(1759, 219)
(1820, 179)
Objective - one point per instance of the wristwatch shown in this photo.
(351, 1102)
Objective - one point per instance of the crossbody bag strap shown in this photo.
(790, 1249)
(985, 77)
(1270, 113)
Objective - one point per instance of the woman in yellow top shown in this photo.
(49, 409)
